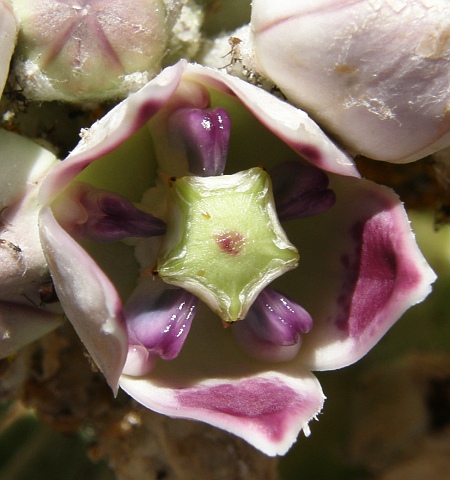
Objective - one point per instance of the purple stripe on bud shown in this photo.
(273, 327)
(300, 190)
(103, 216)
(205, 134)
(161, 324)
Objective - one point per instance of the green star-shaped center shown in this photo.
(224, 242)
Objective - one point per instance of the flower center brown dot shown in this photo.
(230, 242)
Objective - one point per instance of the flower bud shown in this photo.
(375, 74)
(89, 49)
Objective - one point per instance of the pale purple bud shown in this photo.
(300, 190)
(204, 134)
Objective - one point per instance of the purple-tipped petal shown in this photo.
(361, 270)
(112, 130)
(88, 213)
(300, 190)
(292, 125)
(204, 133)
(88, 297)
(267, 410)
(159, 320)
(273, 327)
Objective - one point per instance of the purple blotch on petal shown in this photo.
(161, 324)
(310, 153)
(204, 134)
(147, 110)
(300, 190)
(267, 403)
(109, 217)
(371, 275)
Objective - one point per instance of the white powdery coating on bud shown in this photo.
(375, 73)
(88, 49)
(233, 51)
(8, 32)
(184, 21)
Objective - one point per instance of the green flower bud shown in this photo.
(96, 50)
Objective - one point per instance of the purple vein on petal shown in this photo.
(204, 134)
(104, 42)
(79, 16)
(60, 41)
(300, 190)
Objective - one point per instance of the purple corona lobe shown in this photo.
(273, 328)
(204, 134)
(103, 216)
(277, 319)
(161, 324)
(300, 190)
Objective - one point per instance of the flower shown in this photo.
(374, 74)
(8, 33)
(359, 269)
(25, 281)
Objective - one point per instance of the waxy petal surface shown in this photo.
(292, 125)
(268, 410)
(88, 297)
(113, 129)
(370, 272)
(213, 382)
